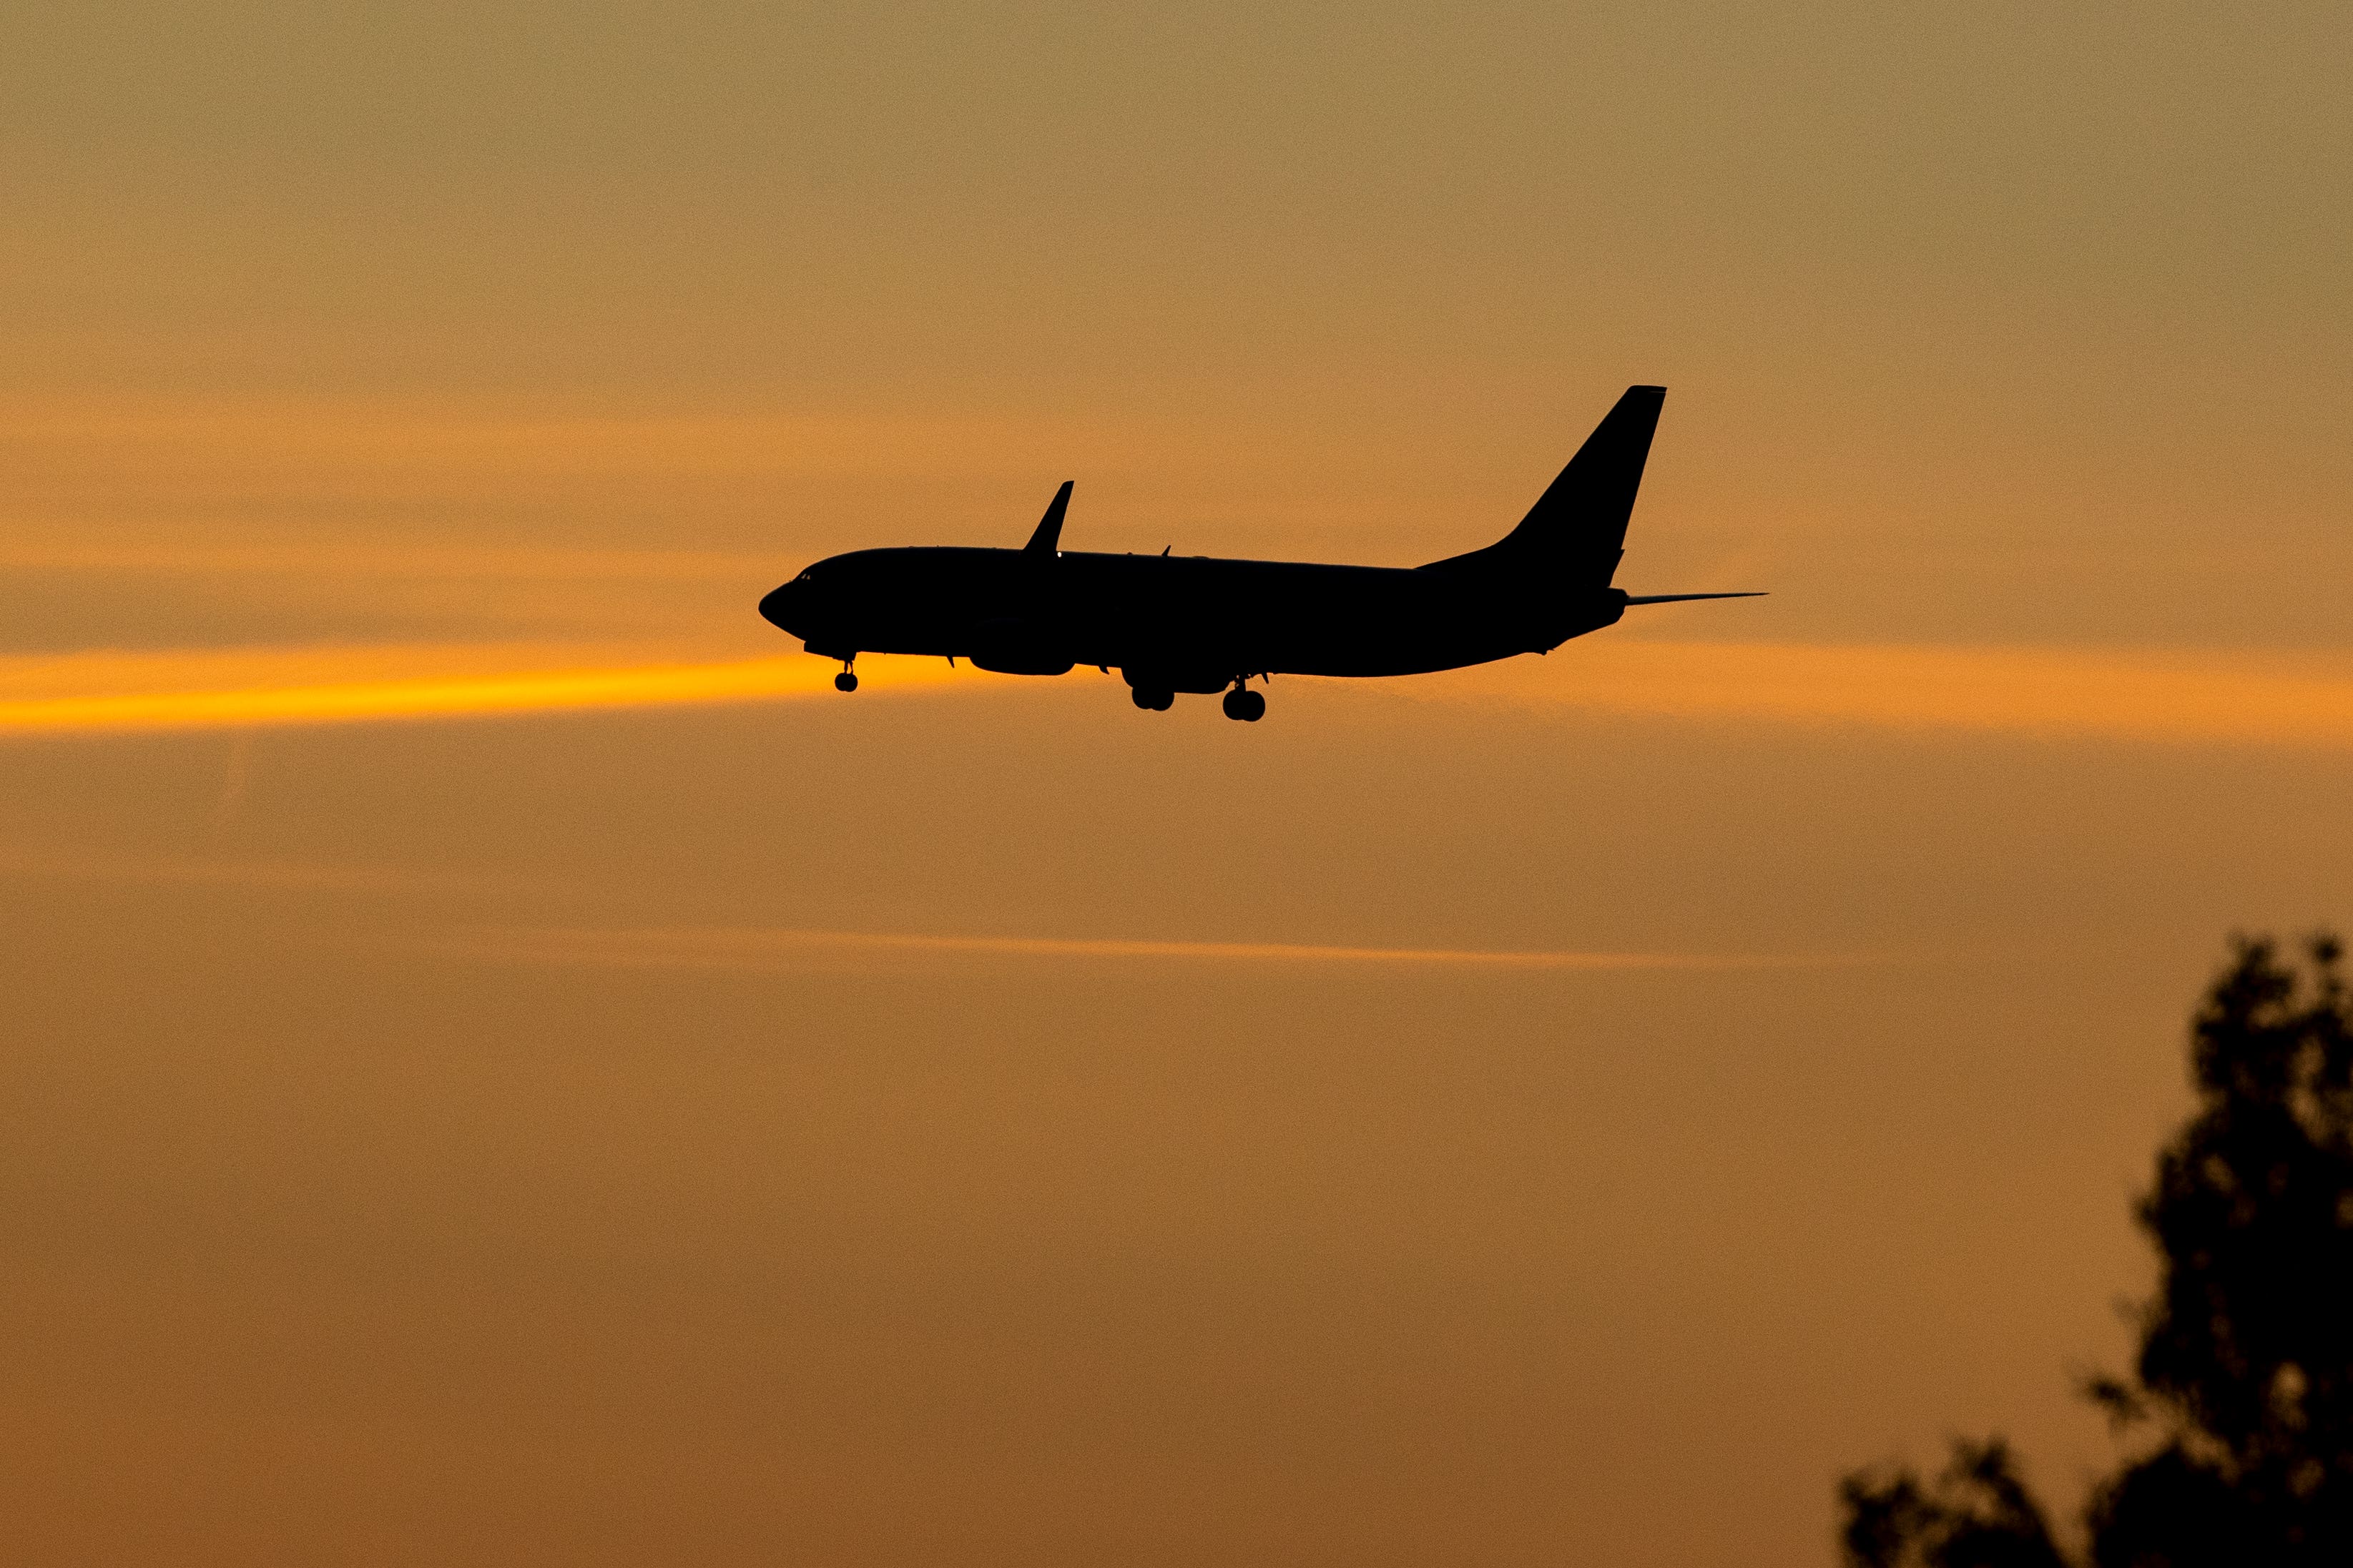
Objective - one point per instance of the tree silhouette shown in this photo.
(2239, 1406)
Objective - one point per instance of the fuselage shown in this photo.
(1196, 623)
(1177, 622)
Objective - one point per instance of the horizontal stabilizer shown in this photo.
(1048, 536)
(1680, 598)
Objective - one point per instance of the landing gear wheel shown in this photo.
(844, 681)
(1153, 702)
(1245, 705)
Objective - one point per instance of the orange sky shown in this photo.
(506, 1066)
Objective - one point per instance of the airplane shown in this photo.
(1174, 623)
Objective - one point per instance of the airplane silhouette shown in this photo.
(1191, 623)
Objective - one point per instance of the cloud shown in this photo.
(2163, 696)
(763, 949)
(238, 688)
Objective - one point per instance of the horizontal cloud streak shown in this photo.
(762, 949)
(101, 693)
(2187, 697)
(2162, 696)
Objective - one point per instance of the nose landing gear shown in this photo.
(1245, 704)
(846, 681)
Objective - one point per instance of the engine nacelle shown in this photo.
(1021, 661)
(1205, 682)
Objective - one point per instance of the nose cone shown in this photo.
(786, 606)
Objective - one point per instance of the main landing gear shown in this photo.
(1240, 703)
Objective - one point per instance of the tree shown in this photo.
(1977, 1515)
(2240, 1403)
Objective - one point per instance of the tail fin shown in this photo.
(1577, 528)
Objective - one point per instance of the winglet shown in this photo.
(1048, 536)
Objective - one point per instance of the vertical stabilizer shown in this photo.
(1577, 530)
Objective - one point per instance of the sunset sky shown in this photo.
(504, 1065)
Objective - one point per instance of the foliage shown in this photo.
(2241, 1398)
(1977, 1515)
